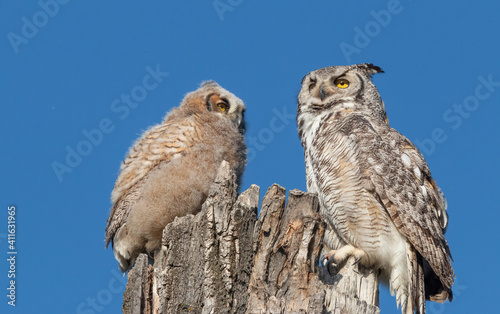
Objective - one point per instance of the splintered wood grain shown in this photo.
(226, 260)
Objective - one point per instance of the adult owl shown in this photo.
(375, 189)
(169, 169)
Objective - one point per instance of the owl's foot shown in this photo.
(335, 258)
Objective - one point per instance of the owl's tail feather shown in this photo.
(424, 284)
(416, 289)
(434, 288)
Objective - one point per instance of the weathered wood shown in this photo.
(137, 298)
(225, 260)
(353, 290)
(285, 277)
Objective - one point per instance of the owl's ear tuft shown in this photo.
(372, 69)
(209, 82)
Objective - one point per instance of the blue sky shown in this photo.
(73, 69)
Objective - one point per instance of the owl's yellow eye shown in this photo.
(342, 83)
(222, 106)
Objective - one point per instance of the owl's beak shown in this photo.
(322, 93)
(242, 126)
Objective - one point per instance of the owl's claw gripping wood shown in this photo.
(335, 258)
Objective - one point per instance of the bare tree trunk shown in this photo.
(225, 260)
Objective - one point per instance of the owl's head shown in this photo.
(341, 88)
(214, 99)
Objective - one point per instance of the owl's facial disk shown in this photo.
(324, 88)
(228, 105)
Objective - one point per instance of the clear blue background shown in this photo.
(64, 79)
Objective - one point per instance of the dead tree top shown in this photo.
(228, 259)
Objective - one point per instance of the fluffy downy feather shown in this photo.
(169, 169)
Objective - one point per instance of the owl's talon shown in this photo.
(324, 261)
(327, 257)
(334, 259)
(328, 261)
(333, 269)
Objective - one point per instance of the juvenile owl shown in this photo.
(375, 188)
(170, 168)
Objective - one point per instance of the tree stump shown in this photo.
(226, 260)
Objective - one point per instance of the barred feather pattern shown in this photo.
(375, 188)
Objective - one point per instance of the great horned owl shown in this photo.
(375, 188)
(169, 170)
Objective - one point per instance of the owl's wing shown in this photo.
(160, 144)
(396, 174)
(422, 174)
